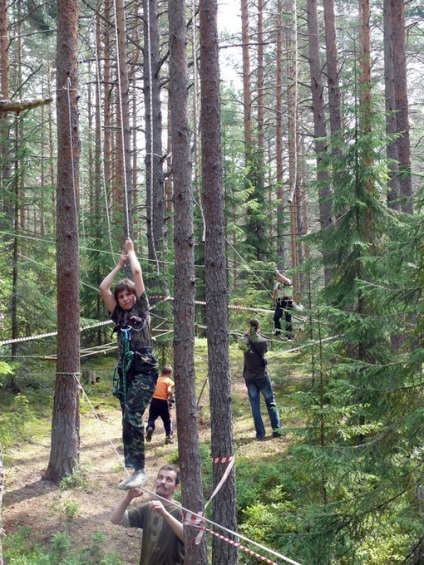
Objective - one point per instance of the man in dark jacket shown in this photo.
(257, 380)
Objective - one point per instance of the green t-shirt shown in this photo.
(160, 544)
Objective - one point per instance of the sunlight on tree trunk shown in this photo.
(222, 439)
(184, 285)
(65, 438)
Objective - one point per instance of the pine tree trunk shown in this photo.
(401, 101)
(153, 117)
(332, 72)
(5, 160)
(247, 95)
(393, 191)
(317, 88)
(184, 284)
(280, 247)
(65, 438)
(292, 118)
(261, 90)
(222, 440)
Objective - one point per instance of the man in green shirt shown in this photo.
(160, 520)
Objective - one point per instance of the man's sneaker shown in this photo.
(149, 433)
(137, 479)
(123, 484)
(168, 440)
(276, 332)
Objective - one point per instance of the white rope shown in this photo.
(149, 64)
(202, 518)
(171, 298)
(120, 458)
(196, 118)
(50, 334)
(98, 73)
(121, 113)
(248, 267)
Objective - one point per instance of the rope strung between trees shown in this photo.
(106, 322)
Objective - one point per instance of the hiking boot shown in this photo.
(137, 479)
(149, 433)
(168, 440)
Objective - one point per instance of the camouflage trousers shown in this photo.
(134, 396)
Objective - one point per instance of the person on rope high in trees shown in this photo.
(160, 520)
(283, 300)
(137, 370)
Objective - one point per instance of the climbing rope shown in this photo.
(121, 116)
(149, 65)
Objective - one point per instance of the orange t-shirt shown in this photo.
(161, 390)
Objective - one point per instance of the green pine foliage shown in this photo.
(357, 463)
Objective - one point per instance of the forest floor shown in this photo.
(82, 511)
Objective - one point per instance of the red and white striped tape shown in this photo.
(240, 546)
(222, 459)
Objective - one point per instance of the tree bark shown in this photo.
(389, 91)
(401, 101)
(247, 95)
(153, 117)
(5, 157)
(280, 247)
(22, 105)
(292, 120)
(184, 283)
(65, 438)
(222, 440)
(317, 89)
(334, 95)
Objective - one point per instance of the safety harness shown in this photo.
(134, 324)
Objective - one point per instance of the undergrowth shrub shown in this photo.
(19, 550)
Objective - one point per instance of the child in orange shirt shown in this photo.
(160, 404)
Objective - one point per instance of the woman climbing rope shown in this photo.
(137, 371)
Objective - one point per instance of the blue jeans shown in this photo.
(254, 388)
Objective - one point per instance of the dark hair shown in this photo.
(174, 468)
(125, 284)
(254, 323)
(167, 370)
